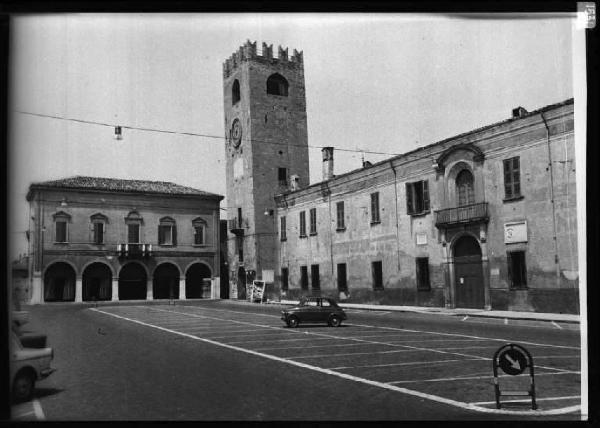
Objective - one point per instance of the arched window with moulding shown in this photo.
(235, 92)
(464, 188)
(277, 85)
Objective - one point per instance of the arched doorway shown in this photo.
(97, 282)
(468, 273)
(59, 283)
(166, 282)
(197, 281)
(241, 284)
(132, 282)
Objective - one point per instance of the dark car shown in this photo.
(314, 310)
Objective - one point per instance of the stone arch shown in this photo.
(99, 260)
(476, 153)
(133, 277)
(59, 282)
(187, 268)
(96, 281)
(277, 85)
(165, 281)
(197, 280)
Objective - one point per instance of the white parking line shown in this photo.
(556, 325)
(277, 340)
(412, 363)
(344, 354)
(446, 379)
(571, 397)
(379, 342)
(472, 337)
(431, 397)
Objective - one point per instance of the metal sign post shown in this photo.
(513, 360)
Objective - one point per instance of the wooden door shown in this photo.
(468, 274)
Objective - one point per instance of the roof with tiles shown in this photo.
(120, 185)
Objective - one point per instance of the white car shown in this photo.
(27, 365)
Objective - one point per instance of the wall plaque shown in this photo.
(515, 232)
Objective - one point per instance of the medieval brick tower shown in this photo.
(266, 151)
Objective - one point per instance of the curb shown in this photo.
(445, 312)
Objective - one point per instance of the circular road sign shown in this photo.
(512, 361)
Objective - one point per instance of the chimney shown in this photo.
(327, 163)
(294, 182)
(519, 112)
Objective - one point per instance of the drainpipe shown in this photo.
(330, 226)
(552, 201)
(397, 220)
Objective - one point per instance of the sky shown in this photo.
(374, 82)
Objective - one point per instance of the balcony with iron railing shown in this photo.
(134, 251)
(471, 213)
(236, 225)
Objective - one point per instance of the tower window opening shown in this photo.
(235, 92)
(282, 176)
(277, 85)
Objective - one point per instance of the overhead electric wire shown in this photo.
(194, 134)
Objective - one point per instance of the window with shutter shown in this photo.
(199, 225)
(341, 225)
(283, 233)
(512, 178)
(133, 233)
(98, 233)
(417, 198)
(302, 224)
(313, 221)
(61, 231)
(375, 208)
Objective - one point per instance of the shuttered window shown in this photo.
(98, 232)
(341, 224)
(302, 224)
(61, 231)
(417, 197)
(375, 208)
(512, 178)
(313, 221)
(133, 233)
(283, 233)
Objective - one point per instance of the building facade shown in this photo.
(95, 239)
(486, 219)
(266, 153)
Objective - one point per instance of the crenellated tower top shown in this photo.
(248, 51)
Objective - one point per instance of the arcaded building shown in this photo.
(485, 219)
(106, 239)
